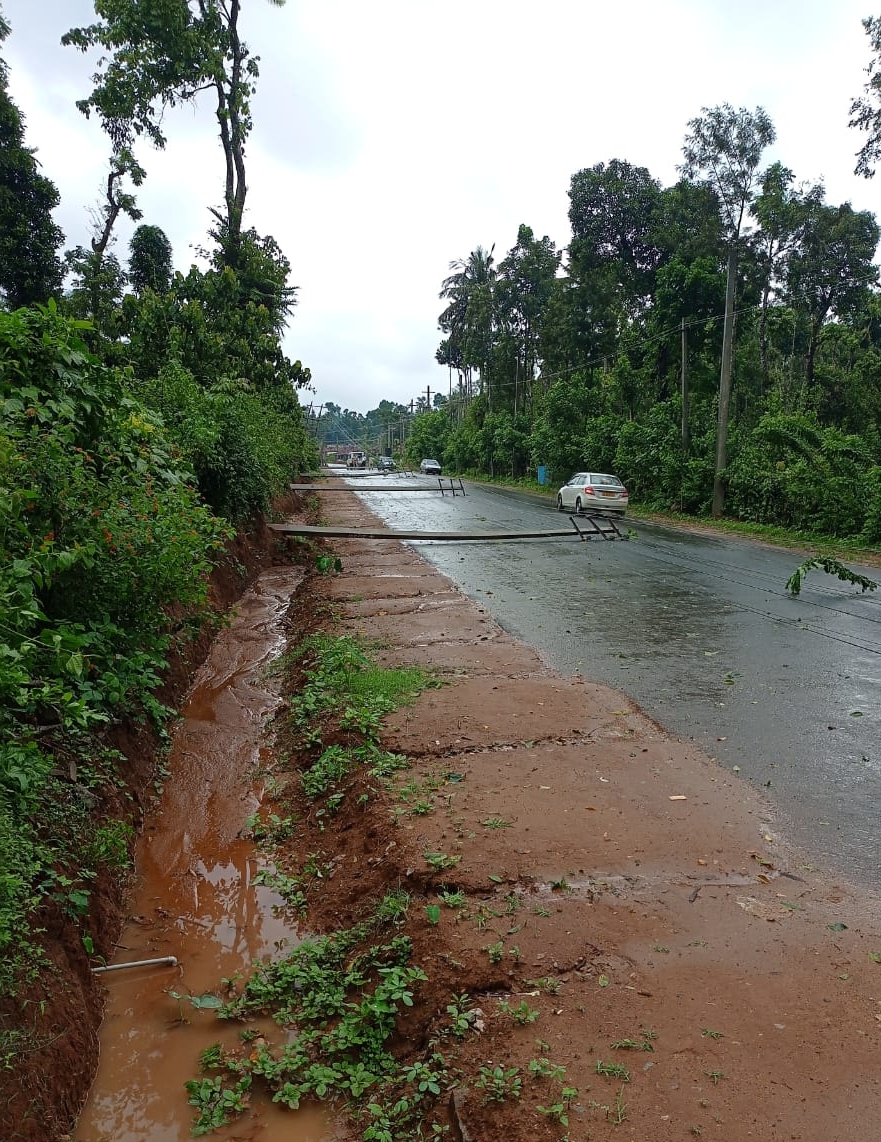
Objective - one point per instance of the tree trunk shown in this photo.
(725, 386)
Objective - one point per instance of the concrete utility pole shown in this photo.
(428, 398)
(686, 436)
(725, 386)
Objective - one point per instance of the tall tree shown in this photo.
(613, 212)
(865, 112)
(832, 270)
(723, 149)
(30, 269)
(99, 278)
(781, 210)
(150, 264)
(525, 282)
(161, 53)
(469, 319)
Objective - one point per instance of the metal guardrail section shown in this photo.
(452, 487)
(602, 526)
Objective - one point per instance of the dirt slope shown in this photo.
(694, 974)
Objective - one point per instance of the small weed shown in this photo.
(496, 823)
(538, 910)
(440, 862)
(708, 1034)
(559, 1111)
(452, 898)
(613, 1070)
(632, 1045)
(393, 907)
(561, 885)
(522, 1014)
(499, 1083)
(715, 1076)
(461, 1019)
(287, 887)
(545, 983)
(494, 951)
(545, 1069)
(217, 1104)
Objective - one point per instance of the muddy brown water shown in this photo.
(195, 897)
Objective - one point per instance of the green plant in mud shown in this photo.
(522, 1014)
(339, 999)
(440, 862)
(559, 1110)
(336, 763)
(499, 1083)
(461, 1018)
(289, 888)
(342, 683)
(545, 1069)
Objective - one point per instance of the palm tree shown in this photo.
(469, 319)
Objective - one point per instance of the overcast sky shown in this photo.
(392, 137)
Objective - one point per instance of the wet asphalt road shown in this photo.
(703, 635)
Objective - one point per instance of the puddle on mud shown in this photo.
(195, 898)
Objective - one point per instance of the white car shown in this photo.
(593, 492)
(429, 467)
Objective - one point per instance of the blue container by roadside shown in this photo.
(542, 474)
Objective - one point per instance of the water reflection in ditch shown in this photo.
(195, 898)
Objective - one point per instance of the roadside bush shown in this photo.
(791, 472)
(649, 458)
(101, 529)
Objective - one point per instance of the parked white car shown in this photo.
(593, 492)
(429, 467)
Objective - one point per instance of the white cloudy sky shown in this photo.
(394, 136)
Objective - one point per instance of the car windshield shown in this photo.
(601, 478)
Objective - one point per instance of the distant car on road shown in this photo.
(386, 464)
(429, 467)
(357, 460)
(593, 491)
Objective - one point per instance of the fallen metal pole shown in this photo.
(161, 961)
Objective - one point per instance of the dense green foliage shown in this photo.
(139, 425)
(101, 528)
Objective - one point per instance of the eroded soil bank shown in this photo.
(693, 973)
(59, 1012)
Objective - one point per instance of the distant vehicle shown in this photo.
(595, 492)
(429, 467)
(386, 464)
(357, 460)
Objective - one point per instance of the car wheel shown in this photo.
(559, 503)
(578, 506)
